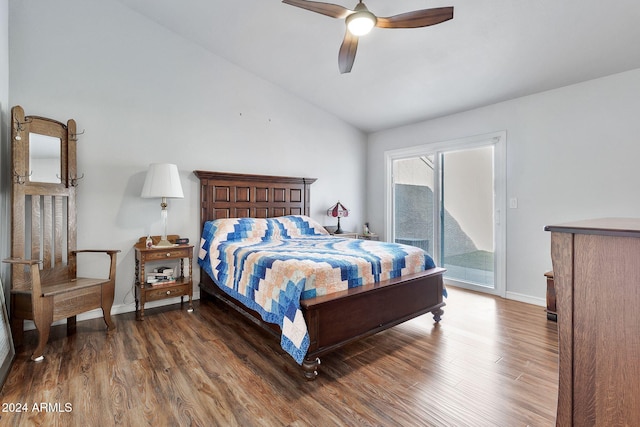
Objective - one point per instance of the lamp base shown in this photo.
(164, 242)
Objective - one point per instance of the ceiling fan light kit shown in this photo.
(360, 21)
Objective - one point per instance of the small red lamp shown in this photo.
(338, 211)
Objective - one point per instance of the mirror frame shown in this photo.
(22, 126)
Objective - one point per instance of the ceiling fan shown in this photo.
(360, 21)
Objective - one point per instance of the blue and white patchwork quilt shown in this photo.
(270, 264)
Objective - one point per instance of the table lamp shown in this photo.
(338, 211)
(162, 181)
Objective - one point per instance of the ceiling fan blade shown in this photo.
(347, 53)
(417, 18)
(332, 10)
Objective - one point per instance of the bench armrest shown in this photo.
(111, 252)
(21, 261)
(36, 285)
(106, 251)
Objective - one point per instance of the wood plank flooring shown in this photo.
(490, 362)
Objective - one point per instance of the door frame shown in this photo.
(499, 141)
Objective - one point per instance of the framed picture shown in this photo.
(7, 350)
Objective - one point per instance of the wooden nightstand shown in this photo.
(352, 235)
(552, 314)
(346, 234)
(368, 236)
(183, 285)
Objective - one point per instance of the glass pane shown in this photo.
(467, 230)
(414, 202)
(44, 158)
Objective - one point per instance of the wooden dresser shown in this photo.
(596, 267)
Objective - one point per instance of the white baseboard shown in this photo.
(509, 295)
(526, 298)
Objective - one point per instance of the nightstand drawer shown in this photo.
(370, 236)
(158, 254)
(167, 292)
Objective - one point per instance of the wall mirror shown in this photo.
(43, 150)
(44, 158)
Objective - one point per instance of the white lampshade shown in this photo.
(163, 180)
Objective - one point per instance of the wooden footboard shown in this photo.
(336, 320)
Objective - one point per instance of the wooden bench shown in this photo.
(44, 283)
(45, 303)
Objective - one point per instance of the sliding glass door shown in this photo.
(447, 201)
(414, 202)
(467, 215)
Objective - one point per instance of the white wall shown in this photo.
(143, 94)
(572, 153)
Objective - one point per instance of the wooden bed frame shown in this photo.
(332, 320)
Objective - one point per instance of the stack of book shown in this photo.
(161, 276)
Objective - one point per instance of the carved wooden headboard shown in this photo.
(231, 195)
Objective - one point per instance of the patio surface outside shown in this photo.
(475, 267)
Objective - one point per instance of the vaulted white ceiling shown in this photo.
(492, 50)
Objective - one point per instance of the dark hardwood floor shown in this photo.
(490, 362)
